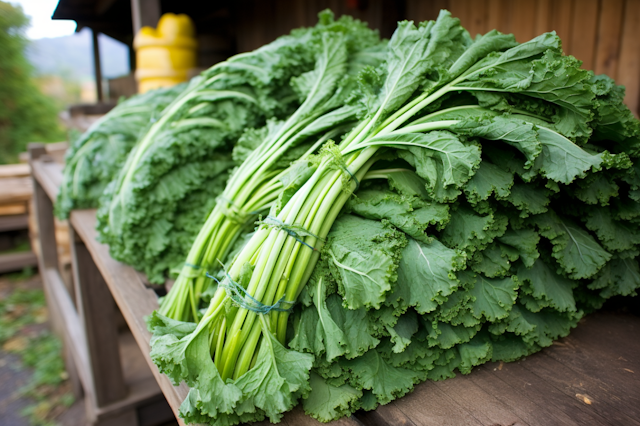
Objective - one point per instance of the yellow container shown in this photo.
(165, 55)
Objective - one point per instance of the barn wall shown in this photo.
(604, 34)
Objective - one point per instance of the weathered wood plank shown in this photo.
(629, 63)
(560, 21)
(132, 297)
(609, 401)
(543, 394)
(16, 261)
(96, 312)
(428, 405)
(420, 10)
(520, 19)
(583, 31)
(607, 49)
(531, 408)
(542, 17)
(484, 407)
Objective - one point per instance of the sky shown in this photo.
(42, 26)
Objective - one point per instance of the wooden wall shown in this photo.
(604, 34)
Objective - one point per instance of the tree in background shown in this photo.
(26, 115)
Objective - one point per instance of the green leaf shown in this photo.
(408, 183)
(439, 157)
(403, 331)
(543, 284)
(528, 199)
(363, 258)
(488, 179)
(413, 216)
(355, 324)
(618, 277)
(279, 376)
(475, 352)
(518, 133)
(327, 402)
(470, 231)
(492, 262)
(372, 372)
(596, 189)
(577, 252)
(426, 275)
(540, 328)
(494, 297)
(524, 242)
(614, 235)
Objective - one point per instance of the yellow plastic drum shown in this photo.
(165, 55)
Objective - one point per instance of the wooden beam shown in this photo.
(96, 65)
(102, 6)
(144, 13)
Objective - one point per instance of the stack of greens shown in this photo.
(95, 158)
(496, 202)
(153, 209)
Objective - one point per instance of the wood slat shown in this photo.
(14, 170)
(428, 405)
(96, 311)
(542, 17)
(561, 20)
(531, 408)
(483, 406)
(583, 31)
(132, 297)
(15, 189)
(520, 19)
(16, 261)
(420, 10)
(608, 400)
(607, 49)
(14, 222)
(629, 63)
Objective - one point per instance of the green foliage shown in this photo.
(26, 115)
(94, 158)
(510, 210)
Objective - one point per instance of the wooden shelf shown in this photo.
(591, 377)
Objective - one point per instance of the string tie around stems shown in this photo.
(234, 212)
(243, 299)
(294, 231)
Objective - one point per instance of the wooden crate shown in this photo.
(15, 198)
(589, 378)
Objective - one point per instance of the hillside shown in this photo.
(72, 56)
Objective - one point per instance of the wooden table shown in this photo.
(591, 377)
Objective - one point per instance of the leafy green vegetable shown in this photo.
(94, 159)
(495, 202)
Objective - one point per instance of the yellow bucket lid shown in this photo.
(173, 30)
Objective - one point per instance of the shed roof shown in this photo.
(113, 17)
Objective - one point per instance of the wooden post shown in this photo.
(96, 309)
(144, 13)
(96, 65)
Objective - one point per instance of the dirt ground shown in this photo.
(15, 376)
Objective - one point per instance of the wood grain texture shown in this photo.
(132, 297)
(629, 63)
(521, 19)
(607, 49)
(96, 312)
(584, 31)
(561, 21)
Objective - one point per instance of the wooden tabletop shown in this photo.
(591, 377)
